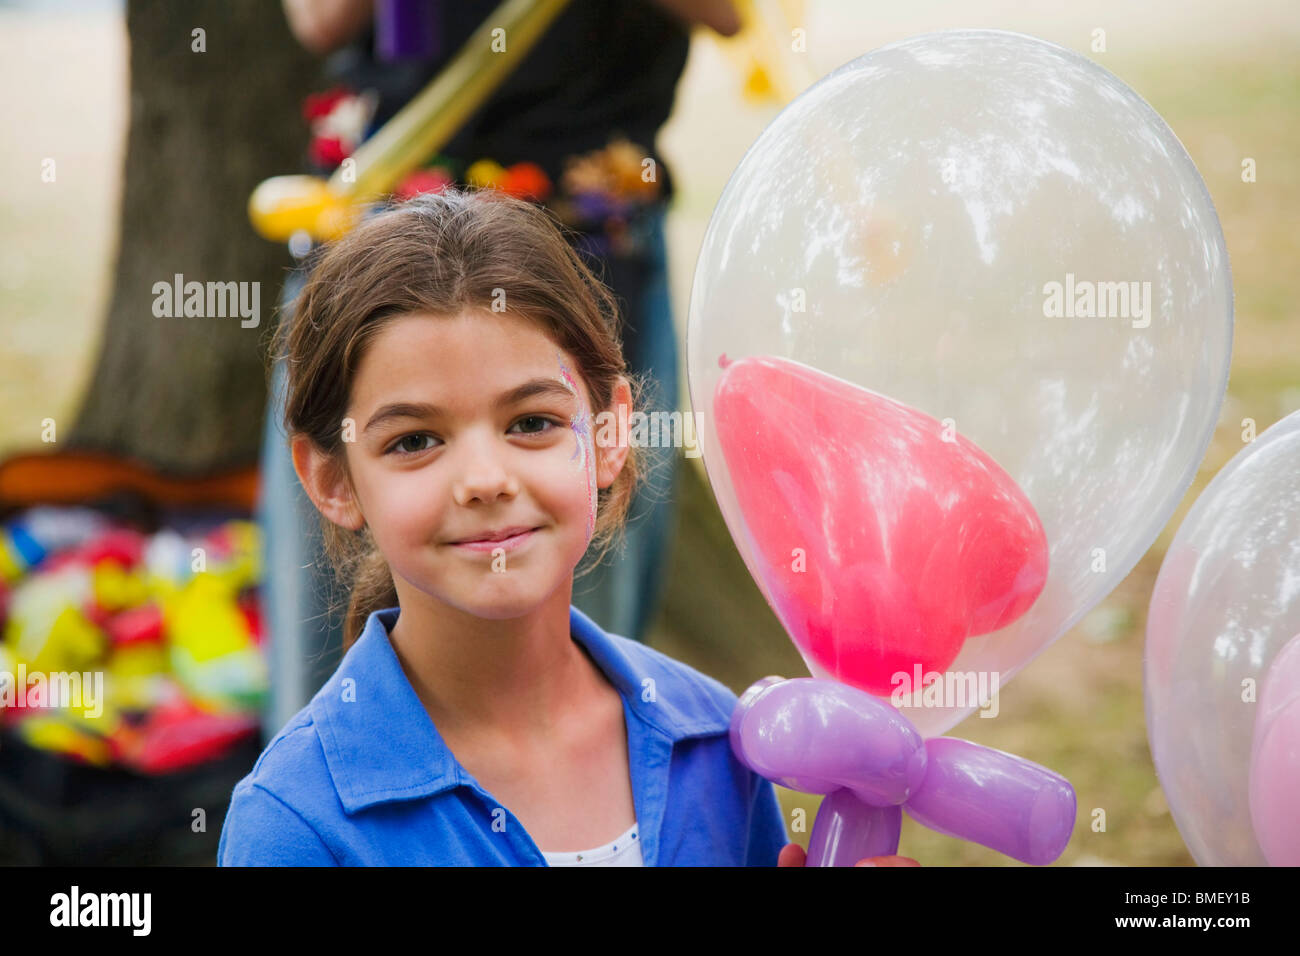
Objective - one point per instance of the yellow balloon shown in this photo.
(485, 174)
(284, 205)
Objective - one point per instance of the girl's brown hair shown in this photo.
(440, 254)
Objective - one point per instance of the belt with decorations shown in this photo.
(604, 195)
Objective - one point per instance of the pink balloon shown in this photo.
(883, 539)
(1275, 760)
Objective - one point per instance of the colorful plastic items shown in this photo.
(168, 625)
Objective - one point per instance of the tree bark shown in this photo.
(187, 395)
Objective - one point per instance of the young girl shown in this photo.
(447, 366)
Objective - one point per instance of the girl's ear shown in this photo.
(326, 485)
(611, 456)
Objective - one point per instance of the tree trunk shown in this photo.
(212, 114)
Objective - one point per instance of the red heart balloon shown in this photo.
(882, 541)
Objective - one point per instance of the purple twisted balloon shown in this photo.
(821, 736)
(406, 30)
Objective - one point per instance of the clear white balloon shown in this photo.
(1222, 665)
(996, 231)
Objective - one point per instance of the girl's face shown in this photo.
(473, 460)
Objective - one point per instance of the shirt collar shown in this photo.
(369, 697)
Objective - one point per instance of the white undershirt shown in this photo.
(623, 850)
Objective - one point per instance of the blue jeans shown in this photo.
(621, 593)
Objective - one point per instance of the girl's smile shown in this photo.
(508, 540)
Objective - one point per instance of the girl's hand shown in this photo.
(325, 25)
(720, 15)
(792, 854)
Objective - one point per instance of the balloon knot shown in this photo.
(723, 361)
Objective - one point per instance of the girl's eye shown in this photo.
(402, 444)
(534, 425)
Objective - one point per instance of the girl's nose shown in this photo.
(484, 476)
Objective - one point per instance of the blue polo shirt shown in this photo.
(361, 777)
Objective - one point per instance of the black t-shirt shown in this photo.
(601, 69)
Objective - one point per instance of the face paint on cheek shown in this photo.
(581, 426)
(584, 454)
